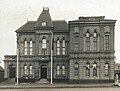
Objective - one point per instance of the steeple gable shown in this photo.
(44, 20)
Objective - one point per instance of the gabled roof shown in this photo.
(44, 17)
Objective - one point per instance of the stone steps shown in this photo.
(43, 81)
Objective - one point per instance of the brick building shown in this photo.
(83, 50)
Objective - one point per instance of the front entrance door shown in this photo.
(43, 71)
(12, 72)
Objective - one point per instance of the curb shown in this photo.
(51, 87)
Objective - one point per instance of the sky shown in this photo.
(15, 13)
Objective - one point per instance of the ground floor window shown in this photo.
(88, 69)
(106, 69)
(30, 69)
(25, 69)
(76, 70)
(63, 69)
(58, 69)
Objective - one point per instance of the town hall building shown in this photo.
(82, 50)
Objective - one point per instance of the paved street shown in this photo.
(66, 89)
(59, 87)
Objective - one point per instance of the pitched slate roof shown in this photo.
(44, 17)
(60, 25)
(29, 26)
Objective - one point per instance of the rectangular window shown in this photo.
(25, 50)
(31, 51)
(76, 72)
(30, 72)
(44, 52)
(25, 47)
(76, 69)
(63, 47)
(88, 69)
(58, 47)
(76, 43)
(63, 70)
(31, 47)
(44, 43)
(25, 70)
(94, 72)
(94, 69)
(106, 69)
(63, 51)
(106, 42)
(95, 44)
(58, 70)
(58, 51)
(87, 43)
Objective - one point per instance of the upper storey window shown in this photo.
(44, 46)
(95, 40)
(76, 43)
(58, 47)
(25, 47)
(107, 42)
(31, 47)
(95, 34)
(44, 43)
(87, 41)
(87, 34)
(63, 47)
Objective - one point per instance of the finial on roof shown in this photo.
(45, 8)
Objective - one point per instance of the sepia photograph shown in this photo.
(59, 45)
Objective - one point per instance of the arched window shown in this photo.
(44, 43)
(44, 46)
(63, 69)
(30, 69)
(58, 47)
(95, 40)
(63, 47)
(58, 69)
(106, 69)
(87, 69)
(87, 41)
(25, 69)
(76, 70)
(94, 69)
(31, 47)
(25, 47)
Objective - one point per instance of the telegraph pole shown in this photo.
(51, 57)
(17, 59)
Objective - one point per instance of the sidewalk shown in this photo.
(55, 85)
